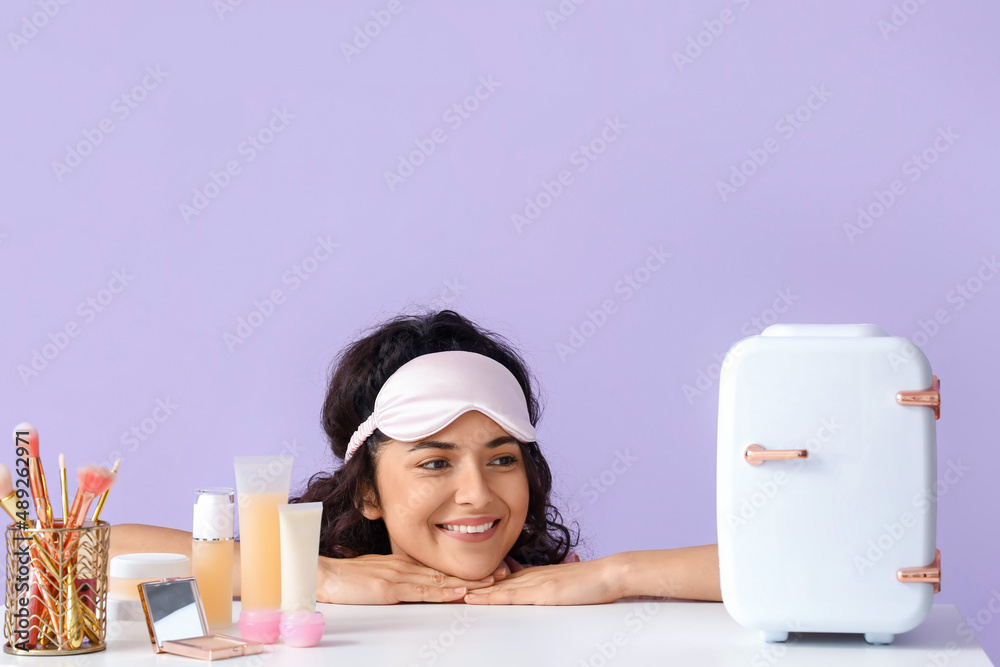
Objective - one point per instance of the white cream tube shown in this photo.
(299, 525)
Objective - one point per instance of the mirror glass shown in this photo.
(175, 610)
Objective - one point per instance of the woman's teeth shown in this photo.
(469, 529)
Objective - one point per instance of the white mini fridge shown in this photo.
(827, 470)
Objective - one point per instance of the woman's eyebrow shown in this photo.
(502, 440)
(433, 444)
(437, 444)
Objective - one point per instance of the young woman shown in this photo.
(444, 494)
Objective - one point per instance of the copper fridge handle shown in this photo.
(756, 454)
(930, 574)
(930, 398)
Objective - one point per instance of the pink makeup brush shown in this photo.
(93, 481)
(104, 496)
(26, 435)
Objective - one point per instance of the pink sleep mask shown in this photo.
(427, 393)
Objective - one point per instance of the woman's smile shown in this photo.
(470, 530)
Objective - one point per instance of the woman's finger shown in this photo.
(406, 592)
(498, 594)
(508, 584)
(422, 575)
(563, 584)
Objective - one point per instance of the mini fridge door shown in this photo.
(814, 542)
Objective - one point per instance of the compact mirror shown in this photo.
(176, 621)
(173, 610)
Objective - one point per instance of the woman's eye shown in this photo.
(505, 460)
(436, 464)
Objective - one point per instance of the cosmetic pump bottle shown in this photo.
(212, 553)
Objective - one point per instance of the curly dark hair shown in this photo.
(359, 372)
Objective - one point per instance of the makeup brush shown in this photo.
(8, 497)
(65, 489)
(27, 435)
(104, 496)
(87, 579)
(93, 481)
(8, 500)
(73, 625)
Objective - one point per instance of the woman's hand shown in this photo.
(388, 579)
(690, 573)
(588, 582)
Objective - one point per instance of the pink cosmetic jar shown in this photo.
(302, 629)
(260, 625)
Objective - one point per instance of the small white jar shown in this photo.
(127, 571)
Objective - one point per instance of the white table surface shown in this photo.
(661, 632)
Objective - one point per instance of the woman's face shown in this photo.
(467, 477)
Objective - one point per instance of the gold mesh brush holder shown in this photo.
(57, 589)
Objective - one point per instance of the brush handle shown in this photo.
(104, 496)
(74, 626)
(36, 481)
(45, 494)
(41, 584)
(81, 503)
(65, 495)
(100, 506)
(77, 515)
(35, 608)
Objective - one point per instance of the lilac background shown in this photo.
(444, 237)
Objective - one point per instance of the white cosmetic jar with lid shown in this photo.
(127, 571)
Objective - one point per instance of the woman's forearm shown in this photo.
(691, 573)
(131, 538)
(688, 572)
